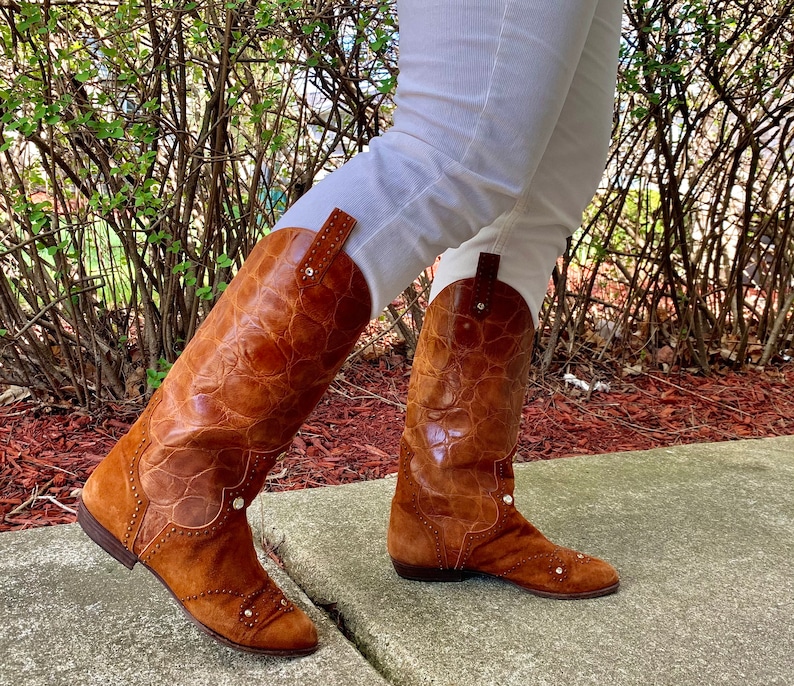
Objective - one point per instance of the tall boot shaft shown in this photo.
(253, 372)
(465, 397)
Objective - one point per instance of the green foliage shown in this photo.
(697, 196)
(155, 377)
(145, 148)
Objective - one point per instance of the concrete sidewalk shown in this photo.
(70, 615)
(703, 536)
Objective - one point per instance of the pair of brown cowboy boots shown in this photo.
(174, 491)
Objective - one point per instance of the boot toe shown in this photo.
(260, 628)
(564, 574)
(584, 576)
(293, 633)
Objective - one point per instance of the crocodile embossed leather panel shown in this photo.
(464, 405)
(453, 507)
(254, 370)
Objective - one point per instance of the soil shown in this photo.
(47, 452)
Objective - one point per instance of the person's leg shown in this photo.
(453, 511)
(533, 235)
(481, 87)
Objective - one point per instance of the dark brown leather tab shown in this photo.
(487, 268)
(326, 246)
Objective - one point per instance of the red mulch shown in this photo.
(46, 453)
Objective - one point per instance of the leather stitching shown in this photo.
(326, 246)
(141, 501)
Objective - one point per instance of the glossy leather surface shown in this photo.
(453, 508)
(174, 490)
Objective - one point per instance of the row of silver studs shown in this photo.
(237, 504)
(139, 449)
(216, 591)
(523, 561)
(558, 573)
(210, 530)
(271, 593)
(248, 615)
(409, 455)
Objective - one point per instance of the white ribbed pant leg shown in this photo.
(481, 86)
(533, 235)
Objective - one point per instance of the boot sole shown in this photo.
(108, 542)
(103, 538)
(431, 574)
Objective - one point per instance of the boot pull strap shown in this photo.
(326, 246)
(484, 280)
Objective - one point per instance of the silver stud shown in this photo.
(283, 602)
(480, 306)
(559, 570)
(580, 556)
(248, 613)
(309, 272)
(507, 499)
(238, 504)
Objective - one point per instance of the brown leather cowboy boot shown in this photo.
(173, 492)
(453, 513)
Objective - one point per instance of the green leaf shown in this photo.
(154, 377)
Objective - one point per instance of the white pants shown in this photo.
(502, 124)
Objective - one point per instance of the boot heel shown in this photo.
(427, 573)
(103, 538)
